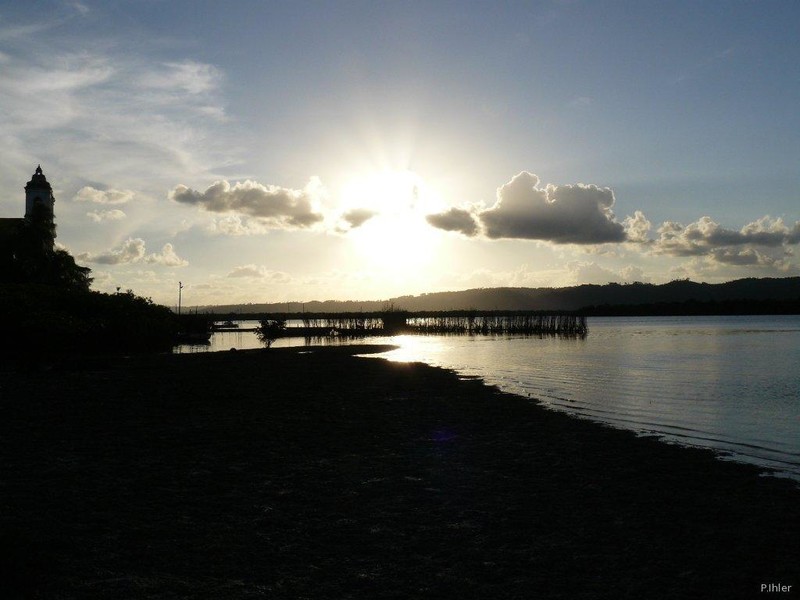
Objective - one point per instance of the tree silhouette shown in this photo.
(36, 260)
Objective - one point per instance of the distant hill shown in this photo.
(737, 295)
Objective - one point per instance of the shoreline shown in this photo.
(309, 472)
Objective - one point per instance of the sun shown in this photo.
(394, 234)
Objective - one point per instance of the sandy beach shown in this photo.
(311, 473)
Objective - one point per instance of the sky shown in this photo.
(296, 151)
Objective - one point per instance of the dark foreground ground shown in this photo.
(286, 474)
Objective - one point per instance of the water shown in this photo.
(727, 383)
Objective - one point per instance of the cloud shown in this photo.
(128, 116)
(358, 216)
(273, 206)
(110, 196)
(592, 273)
(40, 95)
(567, 214)
(762, 246)
(106, 215)
(745, 257)
(637, 227)
(259, 272)
(455, 219)
(234, 225)
(188, 76)
(706, 237)
(133, 251)
(631, 274)
(79, 7)
(167, 257)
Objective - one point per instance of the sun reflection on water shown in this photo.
(416, 348)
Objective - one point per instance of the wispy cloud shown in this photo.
(260, 272)
(111, 196)
(79, 7)
(135, 120)
(22, 31)
(189, 76)
(99, 216)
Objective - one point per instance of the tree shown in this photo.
(36, 260)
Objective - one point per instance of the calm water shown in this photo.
(729, 383)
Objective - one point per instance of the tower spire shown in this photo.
(39, 197)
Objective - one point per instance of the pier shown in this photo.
(396, 322)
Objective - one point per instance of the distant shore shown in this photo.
(311, 473)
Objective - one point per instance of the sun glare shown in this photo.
(396, 235)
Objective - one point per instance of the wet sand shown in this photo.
(285, 473)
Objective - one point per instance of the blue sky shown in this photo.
(262, 151)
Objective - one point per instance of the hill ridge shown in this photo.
(577, 297)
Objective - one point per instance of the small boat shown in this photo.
(224, 326)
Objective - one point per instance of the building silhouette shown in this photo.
(32, 237)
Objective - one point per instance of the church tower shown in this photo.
(39, 198)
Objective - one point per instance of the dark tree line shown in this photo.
(50, 311)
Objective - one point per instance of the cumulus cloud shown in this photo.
(637, 227)
(744, 256)
(706, 237)
(167, 257)
(106, 215)
(592, 273)
(764, 245)
(567, 214)
(90, 194)
(455, 219)
(234, 225)
(133, 251)
(632, 274)
(273, 206)
(260, 272)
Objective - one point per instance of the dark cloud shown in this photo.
(272, 205)
(743, 257)
(358, 216)
(567, 214)
(455, 219)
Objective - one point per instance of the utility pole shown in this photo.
(180, 288)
